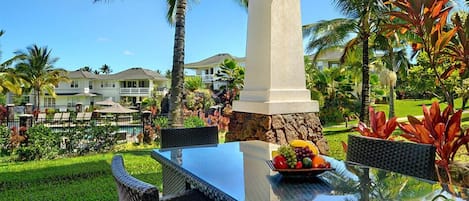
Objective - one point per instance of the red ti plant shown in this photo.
(380, 128)
(443, 130)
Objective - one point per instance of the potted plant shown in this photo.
(442, 130)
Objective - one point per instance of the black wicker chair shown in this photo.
(412, 159)
(179, 137)
(132, 189)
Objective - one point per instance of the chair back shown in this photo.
(41, 118)
(80, 116)
(65, 117)
(87, 116)
(412, 159)
(179, 137)
(128, 187)
(57, 116)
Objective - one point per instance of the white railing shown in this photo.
(134, 91)
(208, 78)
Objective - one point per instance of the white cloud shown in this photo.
(128, 52)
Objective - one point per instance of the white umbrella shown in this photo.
(116, 109)
(107, 102)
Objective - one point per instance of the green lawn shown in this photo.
(412, 107)
(74, 178)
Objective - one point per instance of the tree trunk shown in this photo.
(391, 101)
(37, 99)
(176, 117)
(364, 112)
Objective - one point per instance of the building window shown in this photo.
(74, 84)
(90, 85)
(49, 102)
(106, 84)
(141, 84)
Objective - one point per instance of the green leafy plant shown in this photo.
(5, 147)
(42, 143)
(193, 121)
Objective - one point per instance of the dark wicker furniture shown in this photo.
(171, 138)
(132, 189)
(180, 137)
(412, 159)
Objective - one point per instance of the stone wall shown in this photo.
(279, 129)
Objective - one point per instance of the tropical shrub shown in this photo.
(193, 83)
(42, 143)
(5, 147)
(380, 128)
(100, 138)
(443, 130)
(199, 100)
(193, 121)
(3, 113)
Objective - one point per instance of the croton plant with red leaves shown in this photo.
(442, 130)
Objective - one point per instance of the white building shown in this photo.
(207, 68)
(131, 86)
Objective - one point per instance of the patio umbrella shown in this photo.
(117, 109)
(107, 102)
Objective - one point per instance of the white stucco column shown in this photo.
(275, 75)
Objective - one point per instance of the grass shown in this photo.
(412, 107)
(73, 178)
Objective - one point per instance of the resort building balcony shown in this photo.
(135, 91)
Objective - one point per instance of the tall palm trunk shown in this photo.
(37, 100)
(364, 113)
(391, 101)
(176, 118)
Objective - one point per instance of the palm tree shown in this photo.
(231, 73)
(86, 68)
(8, 79)
(105, 69)
(38, 72)
(394, 60)
(176, 15)
(363, 22)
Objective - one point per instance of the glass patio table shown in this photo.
(238, 171)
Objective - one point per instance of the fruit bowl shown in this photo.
(301, 172)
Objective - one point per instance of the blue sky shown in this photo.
(130, 33)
